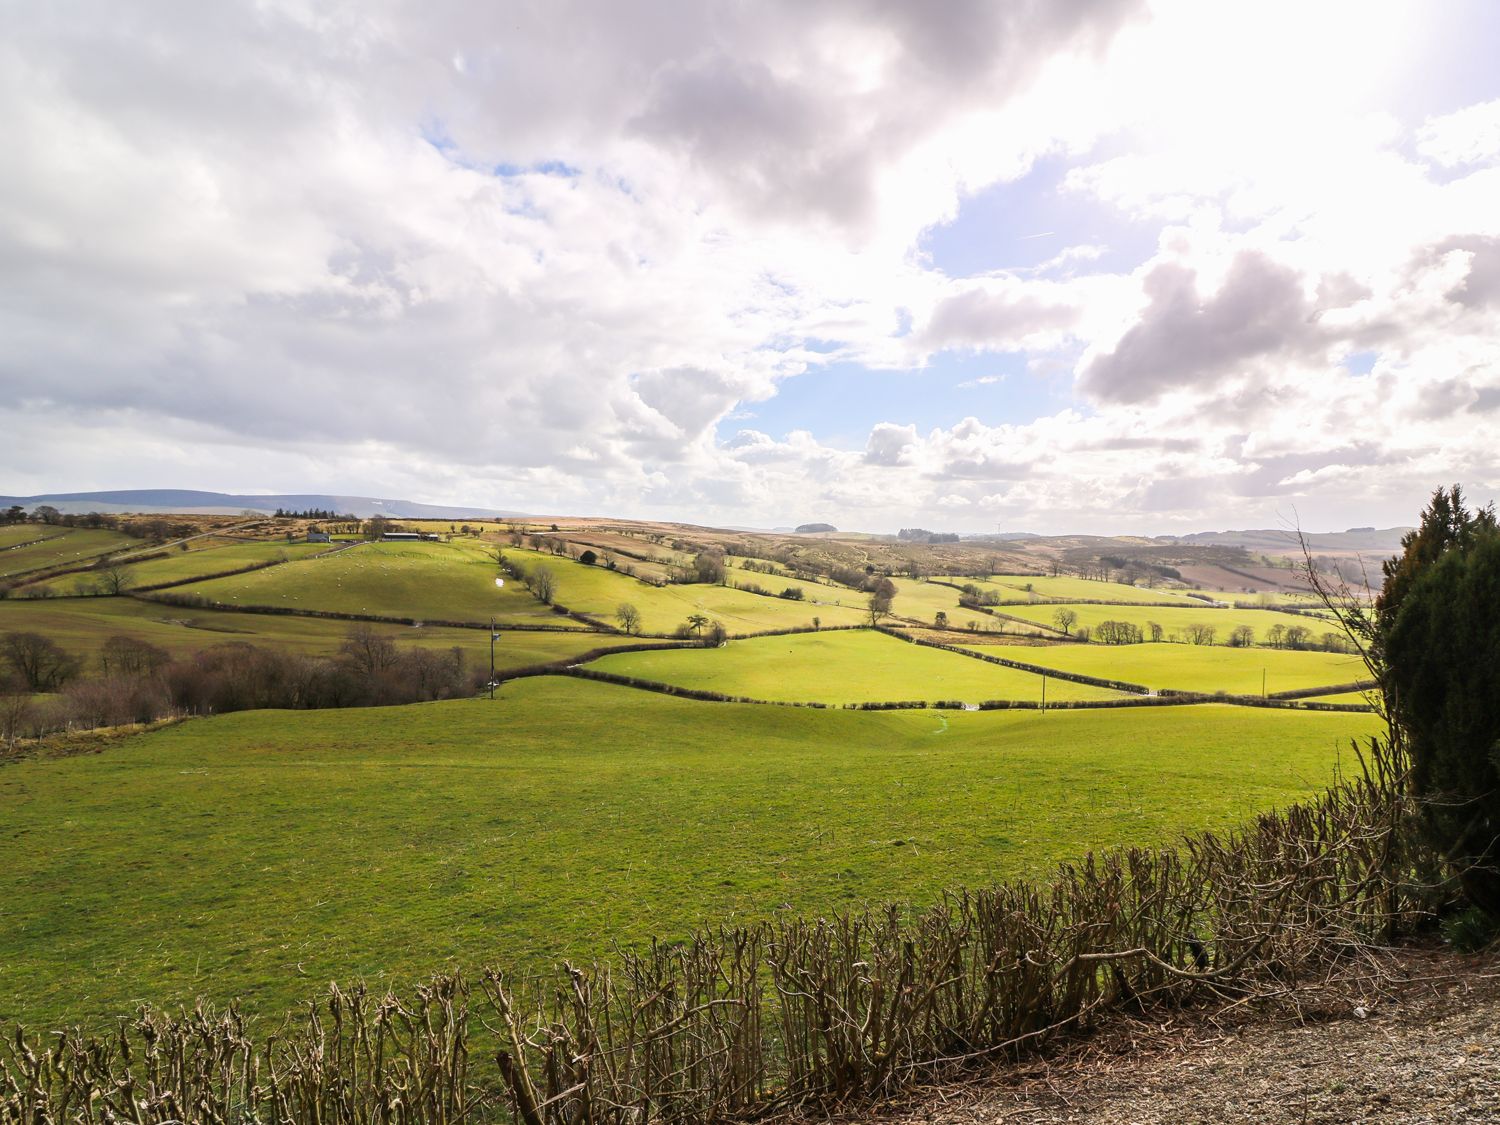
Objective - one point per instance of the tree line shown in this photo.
(134, 681)
(154, 529)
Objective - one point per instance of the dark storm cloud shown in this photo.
(1183, 339)
(794, 140)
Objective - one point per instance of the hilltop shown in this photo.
(194, 502)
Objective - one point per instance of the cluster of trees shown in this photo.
(940, 621)
(704, 629)
(134, 681)
(313, 514)
(153, 529)
(1118, 568)
(1117, 633)
(539, 579)
(882, 594)
(708, 568)
(1199, 633)
(971, 595)
(922, 535)
(790, 593)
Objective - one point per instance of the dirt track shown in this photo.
(1427, 1051)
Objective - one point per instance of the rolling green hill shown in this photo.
(436, 581)
(62, 547)
(1174, 621)
(1206, 668)
(82, 625)
(258, 855)
(840, 667)
(598, 592)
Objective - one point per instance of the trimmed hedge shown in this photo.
(198, 601)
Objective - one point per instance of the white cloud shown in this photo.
(889, 444)
(1470, 136)
(469, 255)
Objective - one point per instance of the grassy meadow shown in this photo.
(261, 854)
(184, 566)
(598, 592)
(442, 581)
(849, 666)
(1182, 667)
(82, 625)
(1174, 621)
(61, 547)
(17, 534)
(922, 601)
(1062, 588)
(258, 855)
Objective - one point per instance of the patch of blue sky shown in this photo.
(1026, 223)
(840, 403)
(1360, 363)
(541, 167)
(436, 134)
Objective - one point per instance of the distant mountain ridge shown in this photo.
(157, 500)
(1386, 540)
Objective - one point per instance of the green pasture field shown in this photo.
(1183, 667)
(14, 534)
(1175, 621)
(442, 581)
(82, 625)
(824, 593)
(921, 601)
(77, 544)
(850, 666)
(1266, 600)
(1062, 588)
(259, 855)
(598, 592)
(661, 555)
(184, 566)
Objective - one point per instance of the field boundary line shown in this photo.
(1331, 689)
(34, 542)
(1045, 599)
(1019, 665)
(195, 601)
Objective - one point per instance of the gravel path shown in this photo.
(1427, 1051)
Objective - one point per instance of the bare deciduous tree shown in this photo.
(16, 709)
(131, 656)
(368, 651)
(115, 580)
(1201, 634)
(37, 661)
(542, 583)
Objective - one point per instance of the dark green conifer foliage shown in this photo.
(1439, 623)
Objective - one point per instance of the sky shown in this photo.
(1110, 266)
